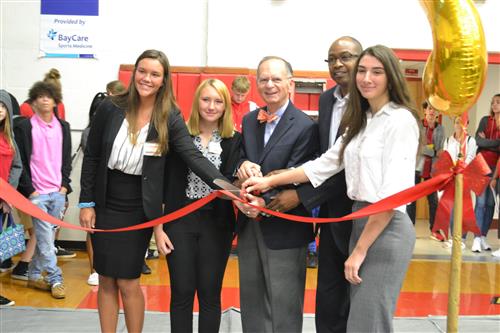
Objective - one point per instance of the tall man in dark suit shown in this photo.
(332, 293)
(271, 250)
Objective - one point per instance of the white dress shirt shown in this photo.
(338, 111)
(125, 156)
(272, 125)
(452, 146)
(379, 161)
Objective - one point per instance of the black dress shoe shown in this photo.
(145, 269)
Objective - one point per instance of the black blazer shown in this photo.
(176, 182)
(293, 142)
(332, 194)
(24, 140)
(103, 131)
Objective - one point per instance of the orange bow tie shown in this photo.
(263, 116)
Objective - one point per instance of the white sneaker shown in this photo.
(449, 244)
(93, 279)
(476, 245)
(496, 253)
(484, 244)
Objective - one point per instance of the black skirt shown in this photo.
(121, 254)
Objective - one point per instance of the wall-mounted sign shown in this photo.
(69, 28)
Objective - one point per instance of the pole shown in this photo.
(456, 258)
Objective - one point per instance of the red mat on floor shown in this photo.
(410, 304)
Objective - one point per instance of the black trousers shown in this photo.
(332, 293)
(432, 198)
(197, 265)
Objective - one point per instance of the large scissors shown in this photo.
(227, 186)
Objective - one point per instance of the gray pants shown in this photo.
(272, 284)
(373, 302)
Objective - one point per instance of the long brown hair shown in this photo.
(354, 119)
(164, 103)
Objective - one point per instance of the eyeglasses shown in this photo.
(274, 80)
(344, 58)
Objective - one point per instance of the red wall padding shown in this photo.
(185, 84)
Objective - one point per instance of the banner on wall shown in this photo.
(68, 28)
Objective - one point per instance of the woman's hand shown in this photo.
(87, 218)
(261, 184)
(352, 265)
(163, 243)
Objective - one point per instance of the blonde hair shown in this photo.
(240, 84)
(226, 125)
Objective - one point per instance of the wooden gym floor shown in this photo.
(424, 291)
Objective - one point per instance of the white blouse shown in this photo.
(452, 146)
(126, 156)
(379, 161)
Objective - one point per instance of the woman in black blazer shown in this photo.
(122, 182)
(202, 239)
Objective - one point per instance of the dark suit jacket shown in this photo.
(332, 194)
(293, 142)
(104, 129)
(176, 174)
(24, 140)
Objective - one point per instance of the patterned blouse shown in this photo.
(197, 188)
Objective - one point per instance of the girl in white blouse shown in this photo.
(378, 153)
(452, 145)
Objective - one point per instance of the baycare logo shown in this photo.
(53, 35)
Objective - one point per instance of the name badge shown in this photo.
(214, 148)
(151, 149)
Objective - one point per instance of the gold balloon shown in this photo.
(455, 71)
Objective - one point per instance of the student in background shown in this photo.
(93, 278)
(10, 163)
(115, 87)
(44, 143)
(452, 145)
(240, 88)
(488, 142)
(53, 77)
(494, 185)
(434, 137)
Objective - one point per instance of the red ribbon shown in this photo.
(16, 199)
(475, 179)
(445, 172)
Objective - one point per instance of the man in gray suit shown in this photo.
(332, 293)
(271, 250)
